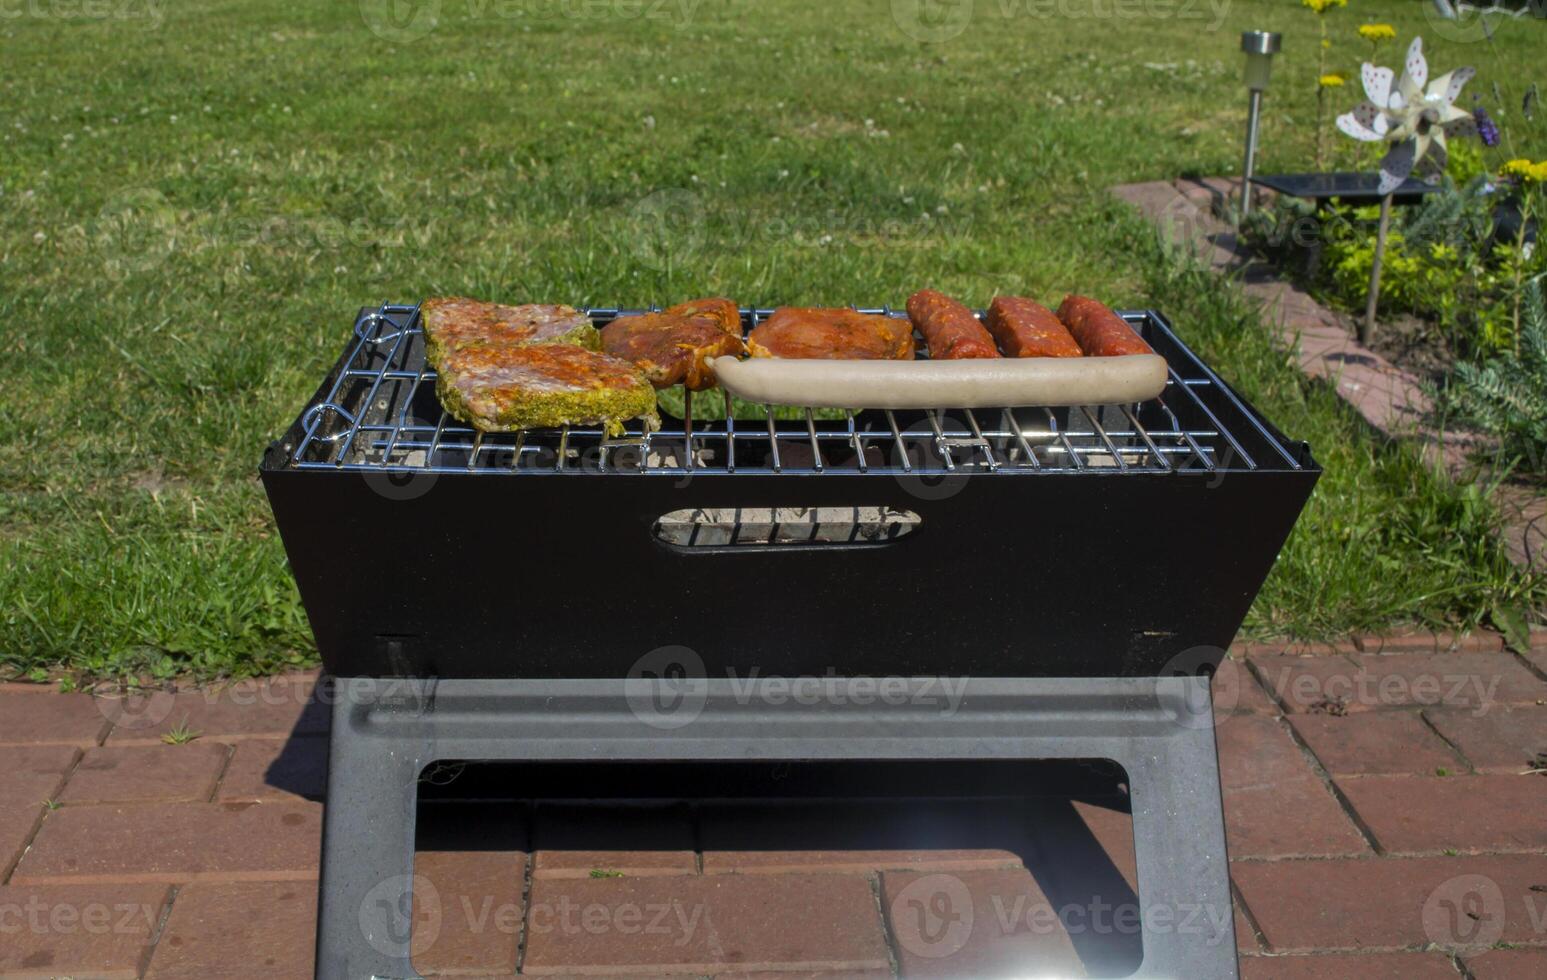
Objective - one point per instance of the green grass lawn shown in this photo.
(195, 198)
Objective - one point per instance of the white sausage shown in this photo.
(976, 383)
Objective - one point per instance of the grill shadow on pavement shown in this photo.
(845, 869)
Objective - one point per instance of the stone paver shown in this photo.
(1378, 904)
(1502, 740)
(1235, 689)
(1430, 641)
(17, 823)
(34, 773)
(875, 974)
(1276, 806)
(277, 706)
(239, 930)
(1366, 682)
(35, 715)
(859, 837)
(82, 931)
(644, 841)
(1350, 966)
(1508, 964)
(1469, 814)
(816, 889)
(118, 774)
(1375, 742)
(1258, 751)
(270, 768)
(467, 920)
(982, 924)
(703, 924)
(1112, 828)
(175, 842)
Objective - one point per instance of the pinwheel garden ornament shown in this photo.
(1414, 117)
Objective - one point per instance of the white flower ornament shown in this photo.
(1415, 119)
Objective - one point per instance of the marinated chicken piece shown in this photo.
(832, 334)
(451, 322)
(948, 327)
(675, 347)
(723, 311)
(499, 388)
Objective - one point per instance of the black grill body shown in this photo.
(1101, 542)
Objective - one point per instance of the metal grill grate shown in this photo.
(380, 413)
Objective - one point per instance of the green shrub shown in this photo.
(1507, 395)
(1442, 263)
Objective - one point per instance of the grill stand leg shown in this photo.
(386, 732)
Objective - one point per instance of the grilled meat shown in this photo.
(1099, 331)
(831, 334)
(499, 388)
(674, 347)
(451, 322)
(948, 327)
(1026, 328)
(721, 310)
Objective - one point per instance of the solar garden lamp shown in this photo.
(1260, 47)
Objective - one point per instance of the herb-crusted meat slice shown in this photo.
(501, 388)
(831, 334)
(675, 346)
(452, 322)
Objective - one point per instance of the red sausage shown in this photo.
(1026, 328)
(949, 328)
(1099, 331)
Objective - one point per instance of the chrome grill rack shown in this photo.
(379, 412)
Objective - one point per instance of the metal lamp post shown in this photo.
(1260, 47)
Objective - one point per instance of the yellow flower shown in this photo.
(1533, 173)
(1332, 79)
(1322, 6)
(1326, 42)
(1375, 33)
(1517, 168)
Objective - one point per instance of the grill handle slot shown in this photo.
(721, 529)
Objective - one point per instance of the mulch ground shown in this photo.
(1383, 816)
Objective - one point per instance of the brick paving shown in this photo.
(1380, 818)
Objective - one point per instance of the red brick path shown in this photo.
(1380, 821)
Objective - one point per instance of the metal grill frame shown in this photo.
(1086, 555)
(377, 412)
(1067, 601)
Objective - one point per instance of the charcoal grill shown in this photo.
(533, 595)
